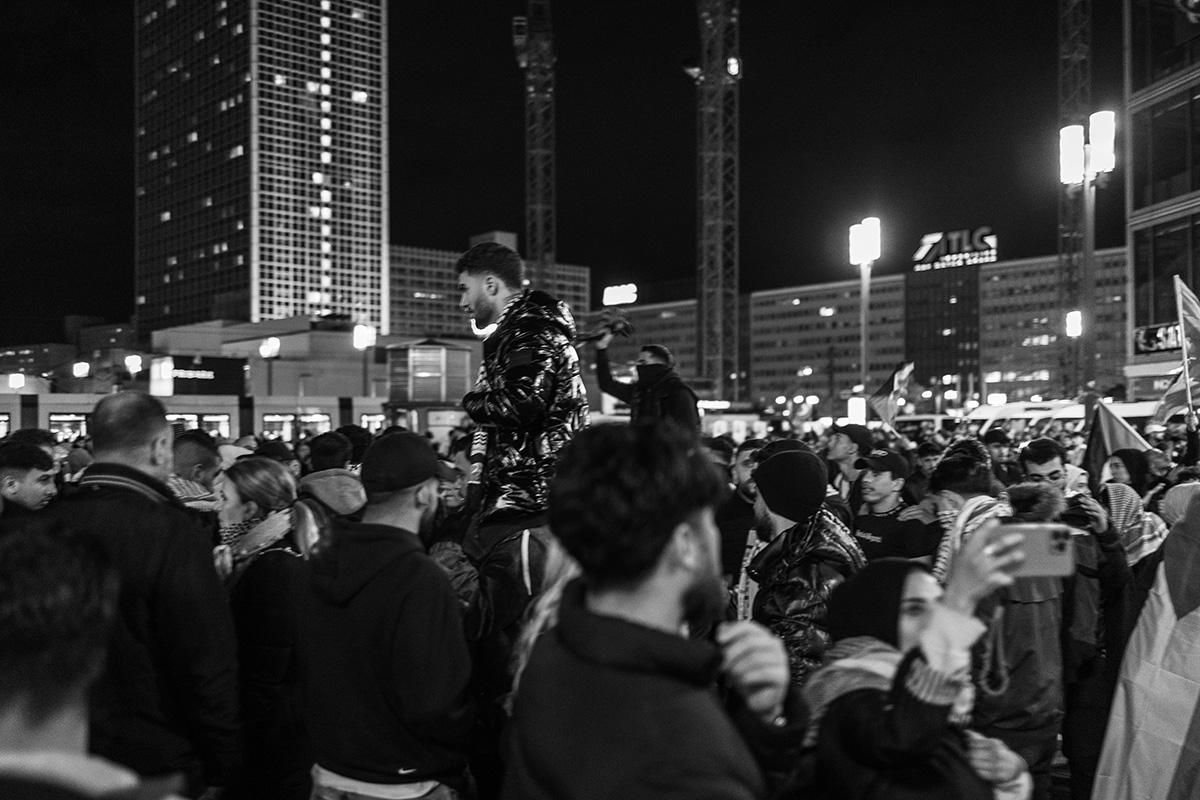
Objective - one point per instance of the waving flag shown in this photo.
(886, 402)
(1109, 432)
(1152, 745)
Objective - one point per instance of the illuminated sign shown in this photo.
(955, 249)
(620, 295)
(195, 375)
(1156, 338)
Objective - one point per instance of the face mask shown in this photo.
(650, 372)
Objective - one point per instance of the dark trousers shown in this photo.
(1087, 707)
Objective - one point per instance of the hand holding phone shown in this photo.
(1049, 549)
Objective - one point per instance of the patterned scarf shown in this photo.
(1141, 533)
(242, 542)
(959, 525)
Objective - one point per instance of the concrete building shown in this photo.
(262, 161)
(1023, 351)
(805, 341)
(425, 294)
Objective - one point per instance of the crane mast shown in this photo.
(717, 77)
(534, 47)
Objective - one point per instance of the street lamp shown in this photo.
(364, 339)
(269, 351)
(134, 365)
(1081, 165)
(864, 252)
(81, 369)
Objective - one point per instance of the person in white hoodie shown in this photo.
(58, 597)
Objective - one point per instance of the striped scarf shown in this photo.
(958, 526)
(1141, 532)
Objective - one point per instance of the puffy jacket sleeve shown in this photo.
(193, 619)
(609, 384)
(522, 383)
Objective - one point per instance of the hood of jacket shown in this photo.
(537, 303)
(354, 555)
(338, 489)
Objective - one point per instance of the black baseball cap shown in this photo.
(401, 461)
(882, 460)
(997, 436)
(859, 434)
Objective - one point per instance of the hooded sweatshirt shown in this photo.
(339, 490)
(386, 662)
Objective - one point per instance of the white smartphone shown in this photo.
(1049, 549)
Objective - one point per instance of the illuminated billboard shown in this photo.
(955, 249)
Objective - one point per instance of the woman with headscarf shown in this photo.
(1141, 532)
(890, 706)
(1130, 467)
(265, 536)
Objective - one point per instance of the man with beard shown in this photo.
(735, 516)
(809, 554)
(381, 642)
(616, 701)
(528, 403)
(658, 393)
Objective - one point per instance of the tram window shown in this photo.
(372, 422)
(4, 424)
(216, 423)
(68, 427)
(278, 426)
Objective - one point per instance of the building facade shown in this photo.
(1023, 350)
(262, 161)
(1162, 190)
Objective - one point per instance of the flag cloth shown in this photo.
(1109, 432)
(886, 402)
(1152, 745)
(1174, 399)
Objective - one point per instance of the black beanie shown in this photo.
(868, 603)
(792, 483)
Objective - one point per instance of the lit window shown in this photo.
(326, 263)
(326, 140)
(326, 123)
(326, 212)
(141, 130)
(326, 38)
(171, 3)
(216, 59)
(326, 106)
(280, 80)
(241, 225)
(326, 247)
(358, 97)
(221, 6)
(326, 196)
(326, 157)
(236, 150)
(172, 261)
(827, 311)
(152, 155)
(141, 299)
(166, 277)
(356, 14)
(164, 216)
(314, 210)
(318, 177)
(326, 55)
(326, 22)
(326, 73)
(325, 5)
(325, 90)
(193, 136)
(207, 202)
(221, 22)
(327, 230)
(313, 86)
(238, 30)
(199, 36)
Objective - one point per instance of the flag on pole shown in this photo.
(1109, 433)
(1183, 387)
(1174, 400)
(886, 402)
(1152, 745)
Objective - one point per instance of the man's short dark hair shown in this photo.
(127, 421)
(494, 258)
(749, 444)
(1042, 450)
(360, 440)
(58, 595)
(23, 457)
(926, 449)
(620, 491)
(659, 354)
(200, 439)
(329, 451)
(961, 474)
(719, 445)
(38, 437)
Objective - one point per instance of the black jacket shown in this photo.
(532, 403)
(608, 708)
(167, 697)
(663, 395)
(385, 662)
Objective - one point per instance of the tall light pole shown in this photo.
(364, 339)
(864, 252)
(269, 351)
(1081, 166)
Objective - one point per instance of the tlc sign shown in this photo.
(955, 249)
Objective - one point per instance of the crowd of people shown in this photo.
(548, 609)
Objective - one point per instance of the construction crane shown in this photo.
(717, 77)
(534, 44)
(1074, 105)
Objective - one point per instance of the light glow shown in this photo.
(1102, 132)
(364, 336)
(1074, 324)
(856, 409)
(864, 242)
(81, 369)
(1070, 154)
(269, 347)
(620, 294)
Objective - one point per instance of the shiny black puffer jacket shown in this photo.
(532, 401)
(796, 573)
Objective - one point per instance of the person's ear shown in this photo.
(491, 285)
(8, 486)
(685, 547)
(162, 450)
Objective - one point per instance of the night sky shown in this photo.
(937, 115)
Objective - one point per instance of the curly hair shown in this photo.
(963, 474)
(494, 258)
(620, 491)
